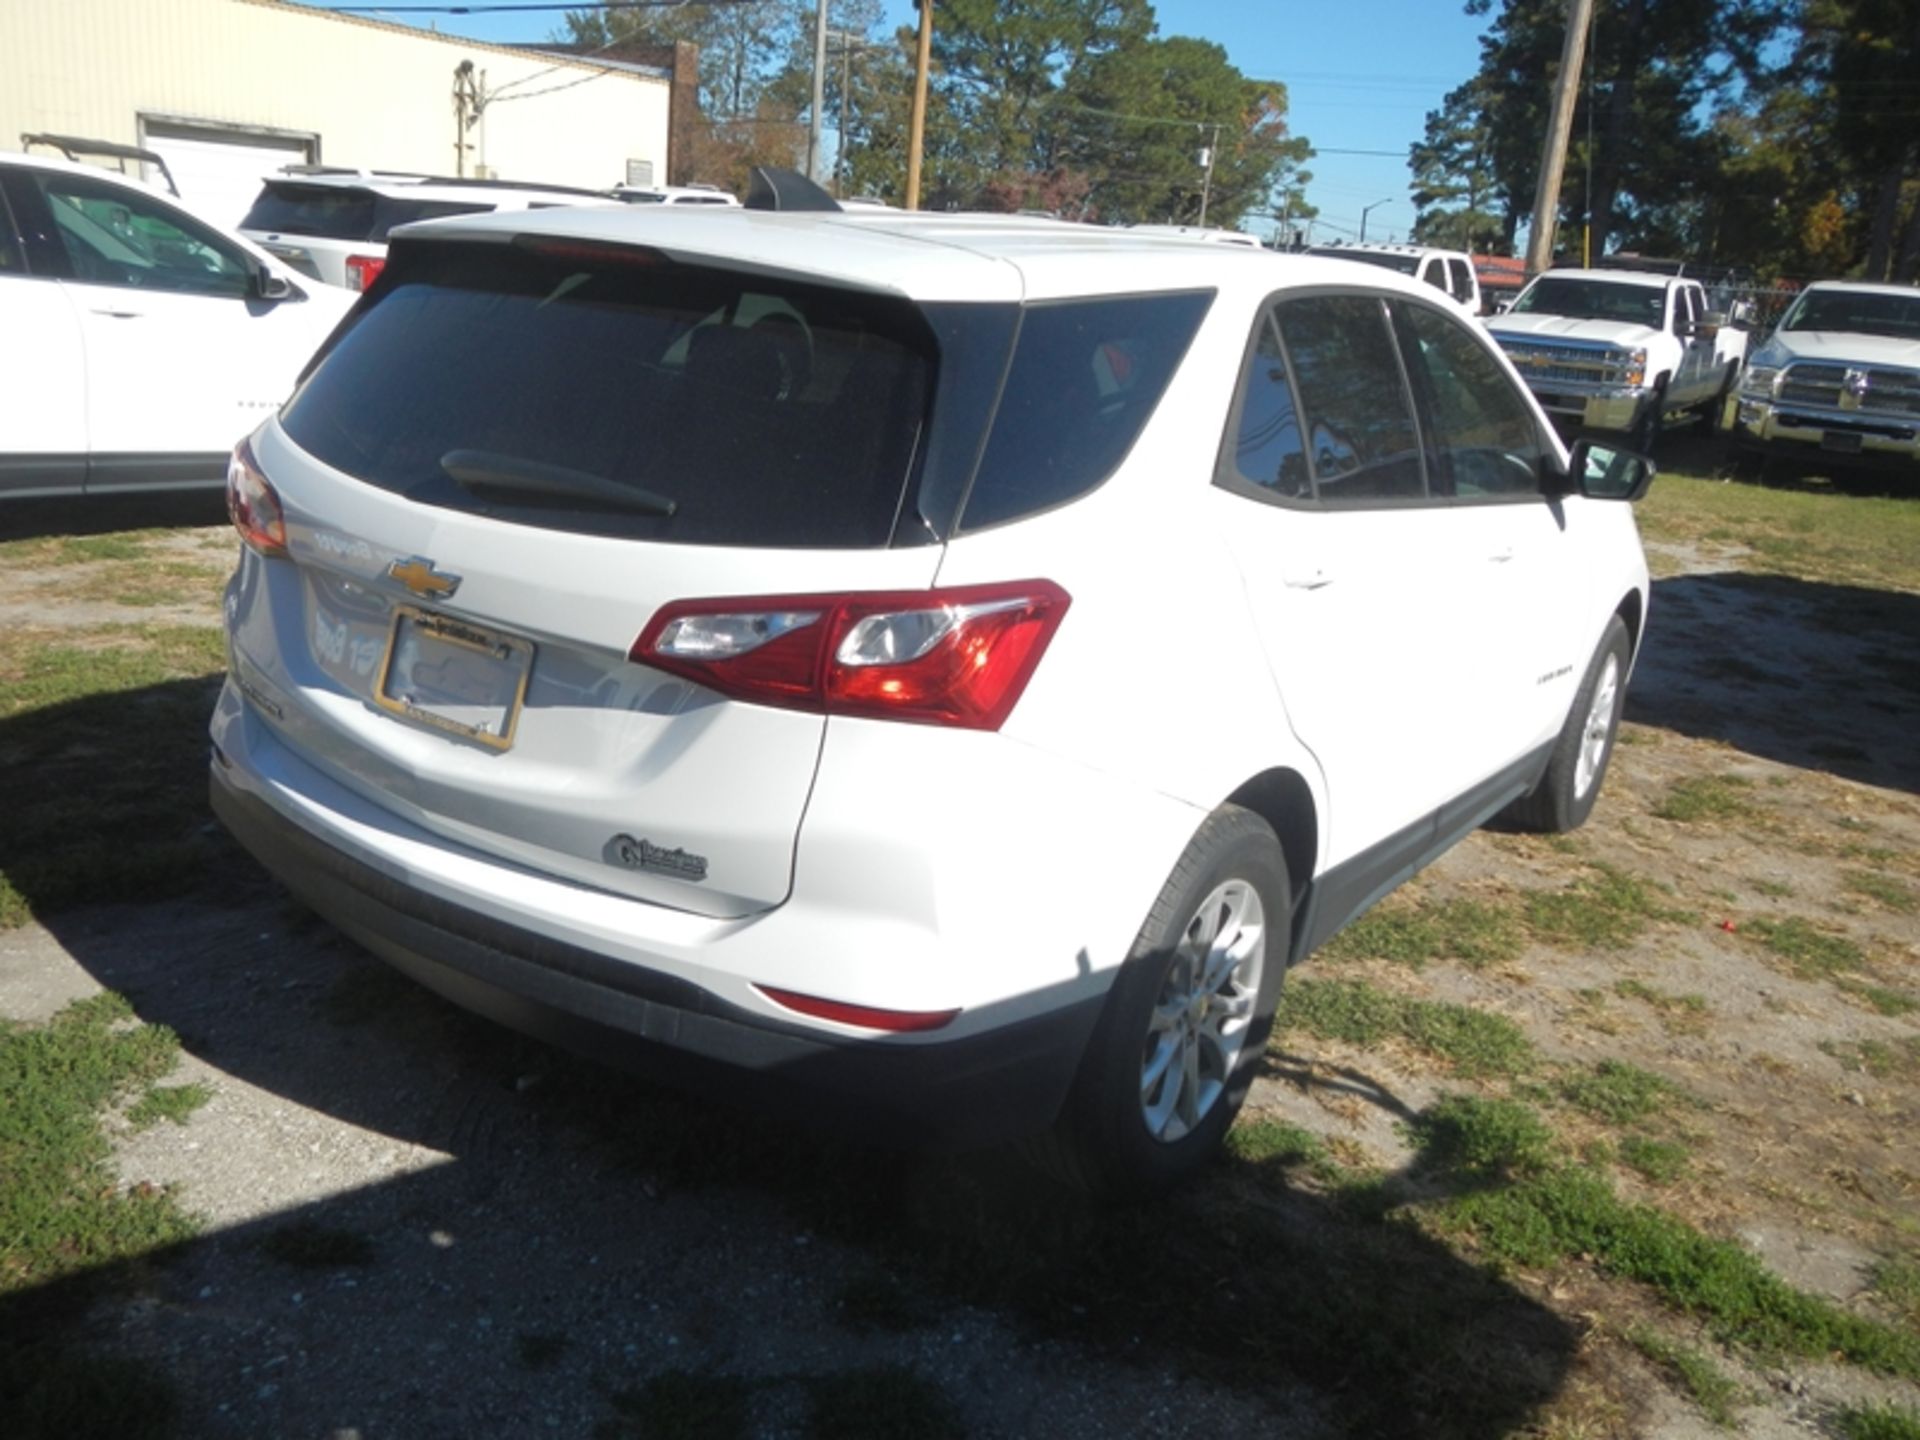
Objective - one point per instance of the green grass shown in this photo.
(1897, 1283)
(1605, 909)
(1811, 534)
(1772, 889)
(1888, 891)
(1261, 1141)
(61, 1209)
(1473, 1042)
(1879, 1422)
(1573, 1212)
(167, 1102)
(1481, 1137)
(103, 739)
(1882, 999)
(1661, 1161)
(1881, 1059)
(1618, 1093)
(1810, 953)
(1714, 1394)
(309, 1245)
(1474, 932)
(1706, 797)
(65, 1217)
(1687, 1013)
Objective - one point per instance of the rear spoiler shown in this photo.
(74, 147)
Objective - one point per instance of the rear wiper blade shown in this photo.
(488, 471)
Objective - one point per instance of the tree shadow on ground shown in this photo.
(1818, 676)
(584, 1232)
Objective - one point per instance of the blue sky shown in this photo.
(1360, 75)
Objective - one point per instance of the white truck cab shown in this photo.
(1450, 272)
(1621, 350)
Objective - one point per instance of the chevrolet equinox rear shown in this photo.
(932, 669)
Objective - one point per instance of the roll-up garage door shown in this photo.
(219, 171)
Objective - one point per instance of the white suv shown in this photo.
(931, 663)
(333, 225)
(137, 341)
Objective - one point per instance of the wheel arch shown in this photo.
(1282, 797)
(1632, 611)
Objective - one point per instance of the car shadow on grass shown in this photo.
(1813, 675)
(533, 1242)
(106, 514)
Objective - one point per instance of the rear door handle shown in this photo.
(1500, 557)
(122, 314)
(1312, 579)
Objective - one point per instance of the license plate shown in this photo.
(1841, 442)
(455, 677)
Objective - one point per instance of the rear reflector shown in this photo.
(865, 1016)
(363, 270)
(252, 505)
(959, 656)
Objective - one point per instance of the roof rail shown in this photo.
(774, 188)
(74, 146)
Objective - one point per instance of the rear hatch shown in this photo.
(506, 464)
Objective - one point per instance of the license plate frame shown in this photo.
(500, 664)
(1840, 442)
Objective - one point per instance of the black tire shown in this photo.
(1104, 1144)
(1559, 802)
(1645, 433)
(1717, 414)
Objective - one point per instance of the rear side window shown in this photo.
(390, 214)
(573, 389)
(1358, 425)
(1462, 276)
(327, 212)
(1085, 377)
(1268, 448)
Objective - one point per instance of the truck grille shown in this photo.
(1542, 362)
(1849, 388)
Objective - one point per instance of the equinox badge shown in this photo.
(418, 575)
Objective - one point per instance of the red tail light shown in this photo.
(252, 505)
(900, 1021)
(363, 270)
(959, 656)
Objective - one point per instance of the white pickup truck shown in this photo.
(1839, 381)
(1621, 350)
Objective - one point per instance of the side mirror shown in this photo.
(1606, 472)
(1741, 315)
(269, 286)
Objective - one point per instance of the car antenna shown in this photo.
(774, 188)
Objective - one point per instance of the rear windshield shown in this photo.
(336, 212)
(593, 389)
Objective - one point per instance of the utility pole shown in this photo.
(1206, 180)
(819, 90)
(1553, 154)
(917, 127)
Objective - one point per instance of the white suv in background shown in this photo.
(1450, 272)
(138, 342)
(332, 225)
(919, 668)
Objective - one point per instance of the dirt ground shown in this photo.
(416, 1224)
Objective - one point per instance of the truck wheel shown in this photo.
(1646, 425)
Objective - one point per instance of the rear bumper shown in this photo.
(990, 1085)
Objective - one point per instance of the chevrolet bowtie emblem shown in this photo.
(418, 575)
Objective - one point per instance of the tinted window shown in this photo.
(1267, 447)
(1386, 260)
(1085, 376)
(12, 259)
(1435, 273)
(770, 414)
(390, 214)
(1360, 435)
(1594, 300)
(329, 212)
(1481, 432)
(116, 237)
(1859, 312)
(1462, 286)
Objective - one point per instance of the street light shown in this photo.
(1364, 209)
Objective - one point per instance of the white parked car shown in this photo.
(1621, 351)
(138, 342)
(1838, 380)
(1451, 272)
(675, 195)
(944, 685)
(333, 225)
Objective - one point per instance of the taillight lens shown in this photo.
(252, 505)
(901, 1022)
(363, 270)
(959, 656)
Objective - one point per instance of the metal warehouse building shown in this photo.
(229, 90)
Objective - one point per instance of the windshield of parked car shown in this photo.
(1593, 300)
(1386, 260)
(1858, 312)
